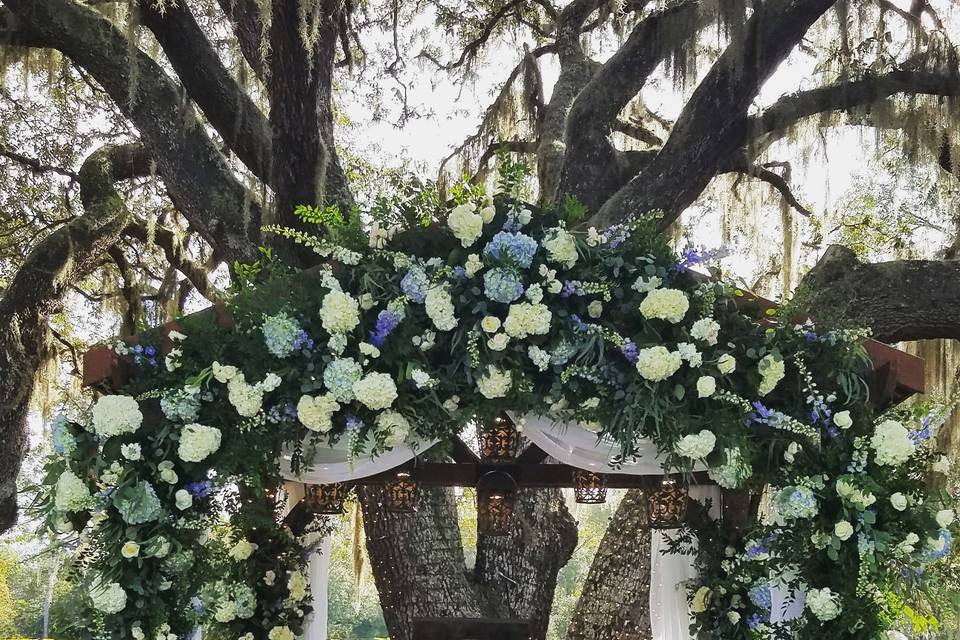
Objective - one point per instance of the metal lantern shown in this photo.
(326, 499)
(589, 487)
(498, 442)
(496, 497)
(403, 493)
(668, 505)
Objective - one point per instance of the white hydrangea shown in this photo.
(439, 307)
(375, 391)
(281, 633)
(772, 369)
(197, 442)
(706, 329)
(688, 351)
(224, 372)
(465, 223)
(525, 319)
(892, 444)
(665, 304)
(539, 357)
(823, 604)
(561, 247)
(316, 413)
(116, 415)
(109, 598)
(696, 446)
(734, 471)
(242, 550)
(645, 285)
(495, 383)
(71, 493)
(657, 363)
(131, 452)
(297, 586)
(339, 312)
(394, 427)
(247, 399)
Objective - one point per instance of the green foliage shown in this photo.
(327, 216)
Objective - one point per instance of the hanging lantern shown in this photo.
(496, 497)
(403, 493)
(326, 499)
(668, 505)
(498, 442)
(589, 487)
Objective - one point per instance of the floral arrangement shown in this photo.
(501, 306)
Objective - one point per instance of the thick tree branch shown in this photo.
(248, 28)
(68, 253)
(740, 164)
(177, 255)
(228, 108)
(899, 300)
(714, 122)
(196, 174)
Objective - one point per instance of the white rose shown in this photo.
(490, 324)
(706, 386)
(945, 518)
(942, 465)
(726, 364)
(842, 419)
(465, 224)
(183, 499)
(843, 530)
(561, 247)
(487, 213)
(498, 342)
(898, 501)
(700, 600)
(594, 309)
(733, 617)
(242, 550)
(665, 304)
(525, 216)
(130, 549)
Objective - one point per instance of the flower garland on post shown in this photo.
(501, 308)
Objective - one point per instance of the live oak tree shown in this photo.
(149, 141)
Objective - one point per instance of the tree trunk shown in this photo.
(615, 603)
(518, 573)
(417, 560)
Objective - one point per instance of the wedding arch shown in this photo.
(604, 347)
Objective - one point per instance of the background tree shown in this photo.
(148, 141)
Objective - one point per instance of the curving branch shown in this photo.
(68, 253)
(199, 181)
(228, 108)
(177, 255)
(740, 164)
(248, 29)
(699, 144)
(473, 47)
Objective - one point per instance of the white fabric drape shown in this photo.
(333, 464)
(669, 612)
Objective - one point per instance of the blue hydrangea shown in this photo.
(515, 247)
(138, 503)
(182, 405)
(415, 284)
(760, 596)
(630, 351)
(502, 285)
(929, 555)
(796, 502)
(63, 441)
(280, 333)
(339, 377)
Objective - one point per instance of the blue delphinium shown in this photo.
(502, 285)
(387, 321)
(280, 333)
(200, 489)
(415, 284)
(304, 341)
(630, 351)
(516, 247)
(760, 596)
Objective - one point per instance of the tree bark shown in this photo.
(518, 573)
(615, 603)
(35, 293)
(417, 560)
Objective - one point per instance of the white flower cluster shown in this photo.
(823, 604)
(393, 427)
(439, 307)
(242, 550)
(658, 363)
(197, 442)
(116, 415)
(316, 413)
(108, 598)
(466, 223)
(665, 304)
(375, 390)
(495, 383)
(527, 319)
(733, 472)
(71, 493)
(892, 444)
(696, 446)
(339, 312)
(706, 329)
(561, 247)
(297, 586)
(772, 369)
